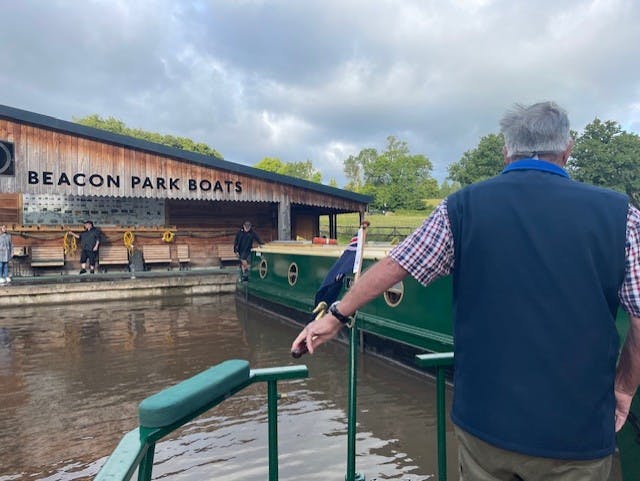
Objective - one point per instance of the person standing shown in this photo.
(6, 253)
(89, 245)
(540, 264)
(242, 246)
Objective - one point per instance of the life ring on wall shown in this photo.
(168, 236)
(324, 240)
(128, 239)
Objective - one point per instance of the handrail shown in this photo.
(171, 408)
(440, 361)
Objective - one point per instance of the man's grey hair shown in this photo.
(541, 128)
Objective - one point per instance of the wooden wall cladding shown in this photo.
(10, 209)
(49, 161)
(223, 219)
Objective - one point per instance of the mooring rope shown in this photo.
(69, 244)
(128, 239)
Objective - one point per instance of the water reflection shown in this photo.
(71, 378)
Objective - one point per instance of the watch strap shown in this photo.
(333, 309)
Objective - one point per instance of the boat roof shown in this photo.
(307, 248)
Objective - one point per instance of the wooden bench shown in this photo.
(183, 256)
(113, 256)
(226, 254)
(47, 256)
(156, 254)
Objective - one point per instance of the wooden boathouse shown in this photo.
(55, 174)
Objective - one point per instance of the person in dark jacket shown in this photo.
(89, 244)
(539, 264)
(242, 246)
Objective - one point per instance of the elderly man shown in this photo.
(540, 264)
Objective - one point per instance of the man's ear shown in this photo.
(567, 152)
(504, 155)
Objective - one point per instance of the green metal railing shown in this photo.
(168, 410)
(441, 362)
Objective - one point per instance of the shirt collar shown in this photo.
(535, 164)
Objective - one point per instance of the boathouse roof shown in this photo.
(207, 161)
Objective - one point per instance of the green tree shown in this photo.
(114, 125)
(395, 178)
(354, 168)
(481, 163)
(607, 156)
(446, 188)
(301, 170)
(271, 164)
(304, 170)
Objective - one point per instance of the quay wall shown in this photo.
(85, 289)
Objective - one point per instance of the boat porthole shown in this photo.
(393, 296)
(293, 273)
(262, 268)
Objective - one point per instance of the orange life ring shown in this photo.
(324, 240)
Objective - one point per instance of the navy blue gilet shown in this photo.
(539, 260)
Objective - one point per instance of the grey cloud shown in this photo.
(315, 80)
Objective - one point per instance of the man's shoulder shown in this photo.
(476, 186)
(602, 191)
(588, 189)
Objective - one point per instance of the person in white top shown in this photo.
(6, 253)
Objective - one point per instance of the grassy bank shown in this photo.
(388, 227)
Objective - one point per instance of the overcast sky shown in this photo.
(320, 80)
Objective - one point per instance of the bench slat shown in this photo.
(156, 254)
(47, 256)
(225, 252)
(183, 253)
(114, 255)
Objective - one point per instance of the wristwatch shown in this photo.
(333, 309)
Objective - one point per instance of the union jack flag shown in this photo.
(332, 284)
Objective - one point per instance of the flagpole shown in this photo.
(353, 356)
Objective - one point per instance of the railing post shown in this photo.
(272, 403)
(441, 423)
(352, 405)
(440, 361)
(146, 465)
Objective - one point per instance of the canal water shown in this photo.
(71, 378)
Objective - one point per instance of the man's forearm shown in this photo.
(628, 371)
(380, 277)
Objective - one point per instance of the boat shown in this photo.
(407, 320)
(285, 277)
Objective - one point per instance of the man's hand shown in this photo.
(623, 405)
(317, 332)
